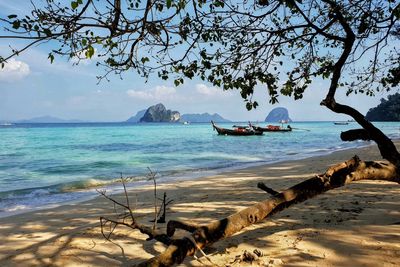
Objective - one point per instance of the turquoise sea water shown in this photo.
(44, 164)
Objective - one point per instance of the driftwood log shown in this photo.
(205, 235)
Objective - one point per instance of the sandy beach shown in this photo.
(356, 225)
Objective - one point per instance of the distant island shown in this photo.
(156, 113)
(278, 114)
(47, 119)
(137, 117)
(204, 117)
(387, 110)
(159, 113)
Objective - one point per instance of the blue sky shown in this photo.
(30, 86)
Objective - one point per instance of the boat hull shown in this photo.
(262, 129)
(236, 132)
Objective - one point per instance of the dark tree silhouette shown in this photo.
(283, 44)
(387, 110)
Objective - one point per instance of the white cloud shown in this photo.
(211, 91)
(14, 70)
(160, 92)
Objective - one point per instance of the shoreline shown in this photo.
(355, 225)
(90, 193)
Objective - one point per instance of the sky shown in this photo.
(31, 87)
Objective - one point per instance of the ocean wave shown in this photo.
(63, 169)
(108, 147)
(226, 156)
(95, 183)
(79, 168)
(23, 200)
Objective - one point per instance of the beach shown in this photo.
(356, 225)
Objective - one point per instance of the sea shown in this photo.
(45, 165)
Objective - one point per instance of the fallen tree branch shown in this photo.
(202, 236)
(267, 189)
(152, 233)
(355, 134)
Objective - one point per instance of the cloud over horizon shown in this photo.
(14, 70)
(159, 93)
(203, 89)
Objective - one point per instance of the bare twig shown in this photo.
(152, 176)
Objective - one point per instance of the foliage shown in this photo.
(283, 44)
(387, 110)
(392, 78)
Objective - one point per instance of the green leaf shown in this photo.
(51, 57)
(145, 59)
(74, 4)
(13, 16)
(47, 32)
(89, 52)
(219, 4)
(396, 12)
(16, 24)
(249, 106)
(169, 3)
(290, 3)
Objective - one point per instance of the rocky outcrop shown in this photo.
(137, 117)
(204, 117)
(158, 113)
(278, 115)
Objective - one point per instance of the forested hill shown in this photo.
(387, 110)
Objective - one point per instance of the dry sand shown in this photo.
(357, 225)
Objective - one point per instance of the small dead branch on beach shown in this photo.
(151, 176)
(164, 204)
(125, 215)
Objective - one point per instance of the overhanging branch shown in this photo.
(355, 134)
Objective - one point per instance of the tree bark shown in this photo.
(355, 134)
(202, 236)
(386, 147)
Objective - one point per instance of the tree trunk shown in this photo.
(202, 236)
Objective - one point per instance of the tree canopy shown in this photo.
(284, 44)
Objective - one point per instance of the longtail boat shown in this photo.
(273, 128)
(238, 131)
